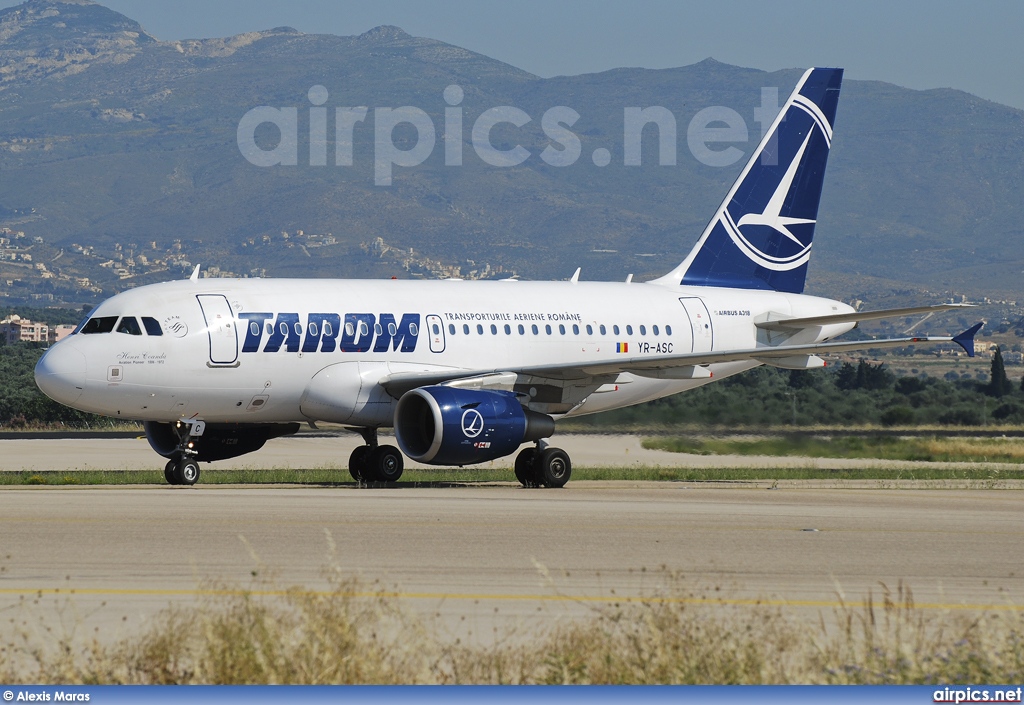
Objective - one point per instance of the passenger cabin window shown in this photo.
(668, 330)
(615, 329)
(102, 324)
(153, 326)
(465, 328)
(508, 329)
(629, 330)
(451, 328)
(561, 329)
(643, 330)
(129, 325)
(655, 329)
(604, 330)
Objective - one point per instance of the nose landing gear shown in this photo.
(184, 471)
(183, 467)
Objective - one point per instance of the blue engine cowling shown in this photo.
(450, 426)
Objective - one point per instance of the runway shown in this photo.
(503, 556)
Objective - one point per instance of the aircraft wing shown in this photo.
(641, 364)
(672, 366)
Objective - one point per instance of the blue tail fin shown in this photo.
(760, 238)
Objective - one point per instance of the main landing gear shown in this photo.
(543, 466)
(183, 468)
(375, 463)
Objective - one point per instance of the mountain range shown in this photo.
(112, 141)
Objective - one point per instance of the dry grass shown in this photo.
(347, 634)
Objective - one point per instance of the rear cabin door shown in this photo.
(220, 326)
(700, 323)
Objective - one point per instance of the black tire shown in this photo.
(386, 464)
(554, 467)
(358, 463)
(187, 471)
(171, 472)
(525, 467)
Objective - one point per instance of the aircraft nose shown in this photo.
(60, 373)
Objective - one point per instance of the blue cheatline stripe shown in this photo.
(535, 695)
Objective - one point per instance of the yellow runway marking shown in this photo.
(722, 602)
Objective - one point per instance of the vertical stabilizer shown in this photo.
(760, 237)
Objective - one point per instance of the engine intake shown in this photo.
(219, 441)
(441, 425)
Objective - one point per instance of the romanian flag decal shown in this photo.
(622, 347)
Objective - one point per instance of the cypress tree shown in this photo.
(1000, 384)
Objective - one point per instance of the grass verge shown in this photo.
(447, 477)
(351, 634)
(932, 449)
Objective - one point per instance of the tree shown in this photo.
(999, 385)
(846, 378)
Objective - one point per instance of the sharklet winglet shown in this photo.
(195, 274)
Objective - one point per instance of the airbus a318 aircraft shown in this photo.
(467, 372)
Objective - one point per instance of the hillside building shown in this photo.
(15, 328)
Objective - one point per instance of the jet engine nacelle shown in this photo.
(219, 441)
(442, 425)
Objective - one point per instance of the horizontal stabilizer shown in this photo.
(966, 339)
(789, 324)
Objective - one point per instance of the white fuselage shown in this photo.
(266, 350)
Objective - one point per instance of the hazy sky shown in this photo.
(971, 46)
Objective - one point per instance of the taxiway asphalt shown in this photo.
(501, 556)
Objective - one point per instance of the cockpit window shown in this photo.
(101, 324)
(152, 326)
(129, 325)
(81, 325)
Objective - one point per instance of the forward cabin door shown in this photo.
(700, 324)
(436, 330)
(220, 326)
